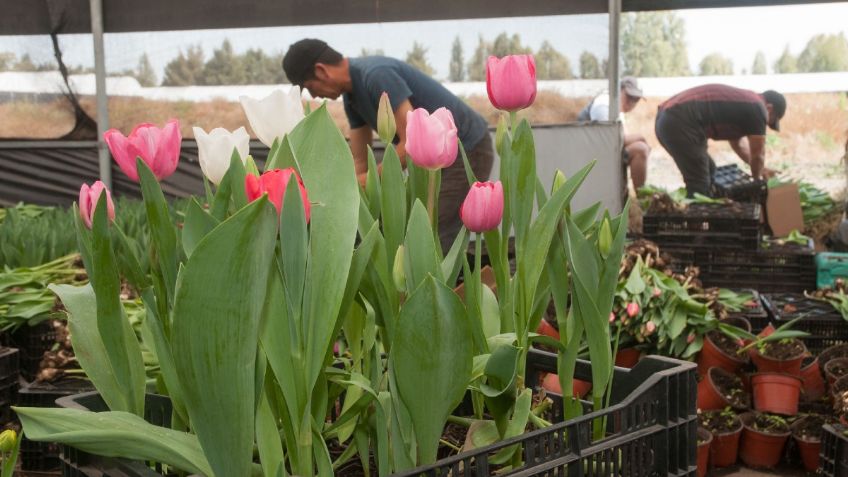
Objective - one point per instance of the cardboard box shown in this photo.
(783, 210)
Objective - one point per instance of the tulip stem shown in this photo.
(431, 198)
(513, 119)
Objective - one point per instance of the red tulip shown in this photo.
(511, 81)
(482, 208)
(431, 139)
(612, 317)
(88, 197)
(690, 338)
(632, 309)
(274, 183)
(158, 148)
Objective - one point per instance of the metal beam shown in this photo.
(96, 7)
(613, 58)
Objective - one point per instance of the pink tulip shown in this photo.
(632, 309)
(657, 292)
(612, 317)
(650, 327)
(482, 208)
(690, 338)
(88, 198)
(511, 81)
(274, 183)
(158, 148)
(431, 139)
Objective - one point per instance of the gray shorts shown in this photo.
(688, 147)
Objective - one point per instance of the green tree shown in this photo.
(508, 45)
(502, 45)
(787, 63)
(224, 67)
(759, 67)
(259, 68)
(144, 72)
(7, 60)
(716, 64)
(186, 69)
(551, 64)
(824, 53)
(477, 64)
(417, 57)
(654, 44)
(456, 71)
(590, 68)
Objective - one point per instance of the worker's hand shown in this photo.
(768, 173)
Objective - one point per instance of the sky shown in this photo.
(737, 33)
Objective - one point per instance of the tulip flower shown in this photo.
(274, 183)
(650, 327)
(612, 317)
(88, 197)
(158, 148)
(275, 115)
(511, 81)
(690, 338)
(657, 292)
(632, 309)
(482, 208)
(431, 139)
(8, 440)
(215, 149)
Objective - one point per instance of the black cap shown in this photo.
(778, 104)
(299, 62)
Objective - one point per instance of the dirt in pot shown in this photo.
(838, 367)
(730, 387)
(720, 422)
(768, 423)
(837, 351)
(809, 427)
(783, 349)
(728, 345)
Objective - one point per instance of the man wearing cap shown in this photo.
(315, 66)
(715, 111)
(636, 148)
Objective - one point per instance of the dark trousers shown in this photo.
(455, 187)
(687, 145)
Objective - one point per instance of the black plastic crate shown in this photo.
(8, 395)
(10, 365)
(731, 182)
(735, 226)
(833, 457)
(651, 429)
(32, 342)
(777, 269)
(45, 455)
(756, 315)
(824, 324)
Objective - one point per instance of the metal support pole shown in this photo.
(96, 7)
(613, 61)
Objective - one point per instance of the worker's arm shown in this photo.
(742, 148)
(757, 155)
(360, 139)
(400, 122)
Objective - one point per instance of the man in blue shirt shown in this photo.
(325, 73)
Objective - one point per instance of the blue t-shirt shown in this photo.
(372, 75)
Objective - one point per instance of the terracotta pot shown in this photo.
(776, 393)
(765, 364)
(709, 397)
(768, 330)
(711, 356)
(813, 385)
(725, 447)
(551, 383)
(760, 450)
(809, 448)
(705, 440)
(828, 369)
(832, 352)
(627, 358)
(547, 329)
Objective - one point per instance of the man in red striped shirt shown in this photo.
(687, 120)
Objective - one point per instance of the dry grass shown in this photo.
(810, 145)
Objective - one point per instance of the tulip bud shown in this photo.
(605, 238)
(657, 292)
(690, 338)
(274, 183)
(612, 317)
(88, 198)
(431, 139)
(386, 127)
(158, 148)
(559, 181)
(650, 327)
(215, 150)
(632, 309)
(8, 440)
(511, 81)
(398, 272)
(482, 209)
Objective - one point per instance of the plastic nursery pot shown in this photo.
(715, 388)
(547, 329)
(835, 369)
(724, 449)
(839, 393)
(551, 384)
(761, 449)
(790, 364)
(716, 353)
(705, 439)
(776, 393)
(627, 357)
(833, 352)
(807, 435)
(812, 387)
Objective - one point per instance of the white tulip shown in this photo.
(275, 115)
(215, 150)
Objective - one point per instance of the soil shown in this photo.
(838, 367)
(768, 423)
(725, 343)
(839, 351)
(809, 428)
(719, 422)
(730, 387)
(783, 349)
